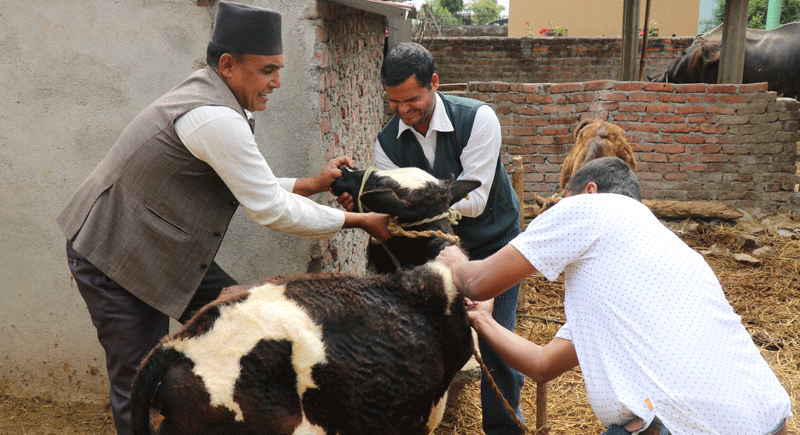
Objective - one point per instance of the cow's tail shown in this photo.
(145, 386)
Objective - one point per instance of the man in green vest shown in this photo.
(459, 137)
(143, 229)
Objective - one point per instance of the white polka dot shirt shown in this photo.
(654, 333)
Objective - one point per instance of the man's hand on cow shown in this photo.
(452, 255)
(330, 172)
(376, 224)
(478, 311)
(346, 201)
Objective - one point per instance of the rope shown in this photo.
(396, 262)
(397, 230)
(451, 215)
(367, 173)
(499, 394)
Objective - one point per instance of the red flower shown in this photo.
(543, 31)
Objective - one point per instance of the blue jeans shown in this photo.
(616, 430)
(655, 428)
(619, 430)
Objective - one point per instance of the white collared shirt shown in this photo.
(220, 137)
(478, 158)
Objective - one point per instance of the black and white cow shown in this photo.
(316, 354)
(412, 195)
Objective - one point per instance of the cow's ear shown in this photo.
(580, 127)
(384, 201)
(711, 52)
(460, 188)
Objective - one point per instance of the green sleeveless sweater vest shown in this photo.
(499, 221)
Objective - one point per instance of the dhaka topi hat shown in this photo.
(248, 29)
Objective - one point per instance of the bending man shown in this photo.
(658, 344)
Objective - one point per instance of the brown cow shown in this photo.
(594, 138)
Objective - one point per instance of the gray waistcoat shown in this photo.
(151, 216)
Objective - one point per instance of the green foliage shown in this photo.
(443, 15)
(454, 6)
(757, 13)
(485, 11)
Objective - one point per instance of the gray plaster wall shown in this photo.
(74, 74)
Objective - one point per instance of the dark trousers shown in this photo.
(496, 419)
(128, 328)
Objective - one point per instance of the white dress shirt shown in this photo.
(478, 158)
(220, 137)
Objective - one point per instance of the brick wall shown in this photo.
(732, 143)
(461, 31)
(349, 51)
(541, 59)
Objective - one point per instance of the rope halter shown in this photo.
(367, 173)
(451, 215)
(396, 228)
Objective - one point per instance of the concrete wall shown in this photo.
(598, 17)
(75, 74)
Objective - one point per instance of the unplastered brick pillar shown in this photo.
(348, 50)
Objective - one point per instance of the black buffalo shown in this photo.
(771, 56)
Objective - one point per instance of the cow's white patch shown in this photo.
(306, 428)
(410, 178)
(266, 314)
(437, 412)
(447, 280)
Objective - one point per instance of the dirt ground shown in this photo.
(766, 295)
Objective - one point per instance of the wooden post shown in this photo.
(518, 183)
(645, 34)
(541, 405)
